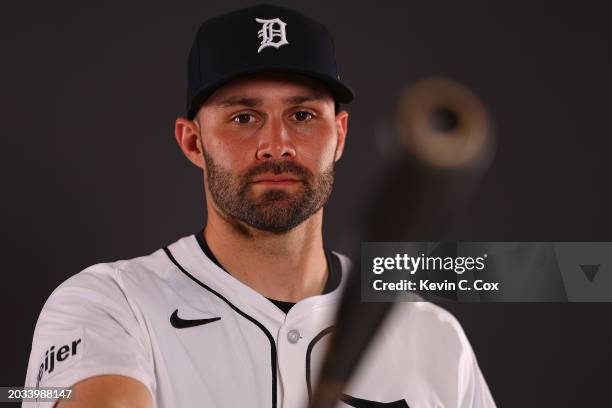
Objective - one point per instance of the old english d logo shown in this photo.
(272, 33)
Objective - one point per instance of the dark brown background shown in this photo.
(91, 172)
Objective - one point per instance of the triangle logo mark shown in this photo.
(590, 271)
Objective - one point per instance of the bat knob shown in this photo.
(443, 124)
(443, 120)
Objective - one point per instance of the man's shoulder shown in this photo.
(429, 326)
(112, 279)
(154, 264)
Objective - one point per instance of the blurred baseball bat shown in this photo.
(447, 140)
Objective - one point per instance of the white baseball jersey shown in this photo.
(197, 337)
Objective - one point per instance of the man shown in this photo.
(239, 314)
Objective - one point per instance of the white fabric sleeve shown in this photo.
(473, 390)
(86, 328)
(443, 365)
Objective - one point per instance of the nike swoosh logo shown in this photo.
(362, 403)
(179, 323)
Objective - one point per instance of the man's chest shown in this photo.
(230, 356)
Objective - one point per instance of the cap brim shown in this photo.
(342, 93)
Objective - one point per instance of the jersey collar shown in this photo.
(189, 254)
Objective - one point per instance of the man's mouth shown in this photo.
(280, 180)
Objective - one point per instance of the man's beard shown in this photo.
(275, 210)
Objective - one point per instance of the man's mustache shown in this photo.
(277, 168)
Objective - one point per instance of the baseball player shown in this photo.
(240, 313)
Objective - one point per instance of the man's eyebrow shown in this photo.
(254, 102)
(239, 101)
(296, 100)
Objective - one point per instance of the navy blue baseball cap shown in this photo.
(262, 38)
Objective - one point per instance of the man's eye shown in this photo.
(302, 116)
(243, 118)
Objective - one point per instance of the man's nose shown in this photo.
(274, 141)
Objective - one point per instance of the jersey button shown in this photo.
(293, 336)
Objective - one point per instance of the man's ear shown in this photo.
(341, 131)
(187, 134)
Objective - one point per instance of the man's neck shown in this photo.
(287, 267)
